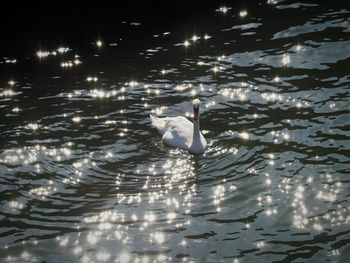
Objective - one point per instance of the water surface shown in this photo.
(85, 178)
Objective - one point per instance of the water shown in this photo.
(85, 178)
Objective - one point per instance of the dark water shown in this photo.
(84, 177)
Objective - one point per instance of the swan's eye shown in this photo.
(195, 109)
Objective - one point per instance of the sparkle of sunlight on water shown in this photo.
(84, 177)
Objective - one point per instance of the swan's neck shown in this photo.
(196, 130)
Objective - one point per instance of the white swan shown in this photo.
(180, 132)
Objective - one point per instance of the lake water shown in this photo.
(85, 178)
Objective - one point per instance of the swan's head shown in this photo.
(196, 103)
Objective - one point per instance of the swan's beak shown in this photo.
(195, 113)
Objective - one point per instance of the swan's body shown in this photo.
(180, 132)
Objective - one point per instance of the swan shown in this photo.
(180, 132)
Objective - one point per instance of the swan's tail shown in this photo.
(158, 123)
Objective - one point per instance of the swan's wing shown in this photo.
(178, 132)
(158, 123)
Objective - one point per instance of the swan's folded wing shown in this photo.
(158, 123)
(178, 132)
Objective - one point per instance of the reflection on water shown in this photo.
(85, 177)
